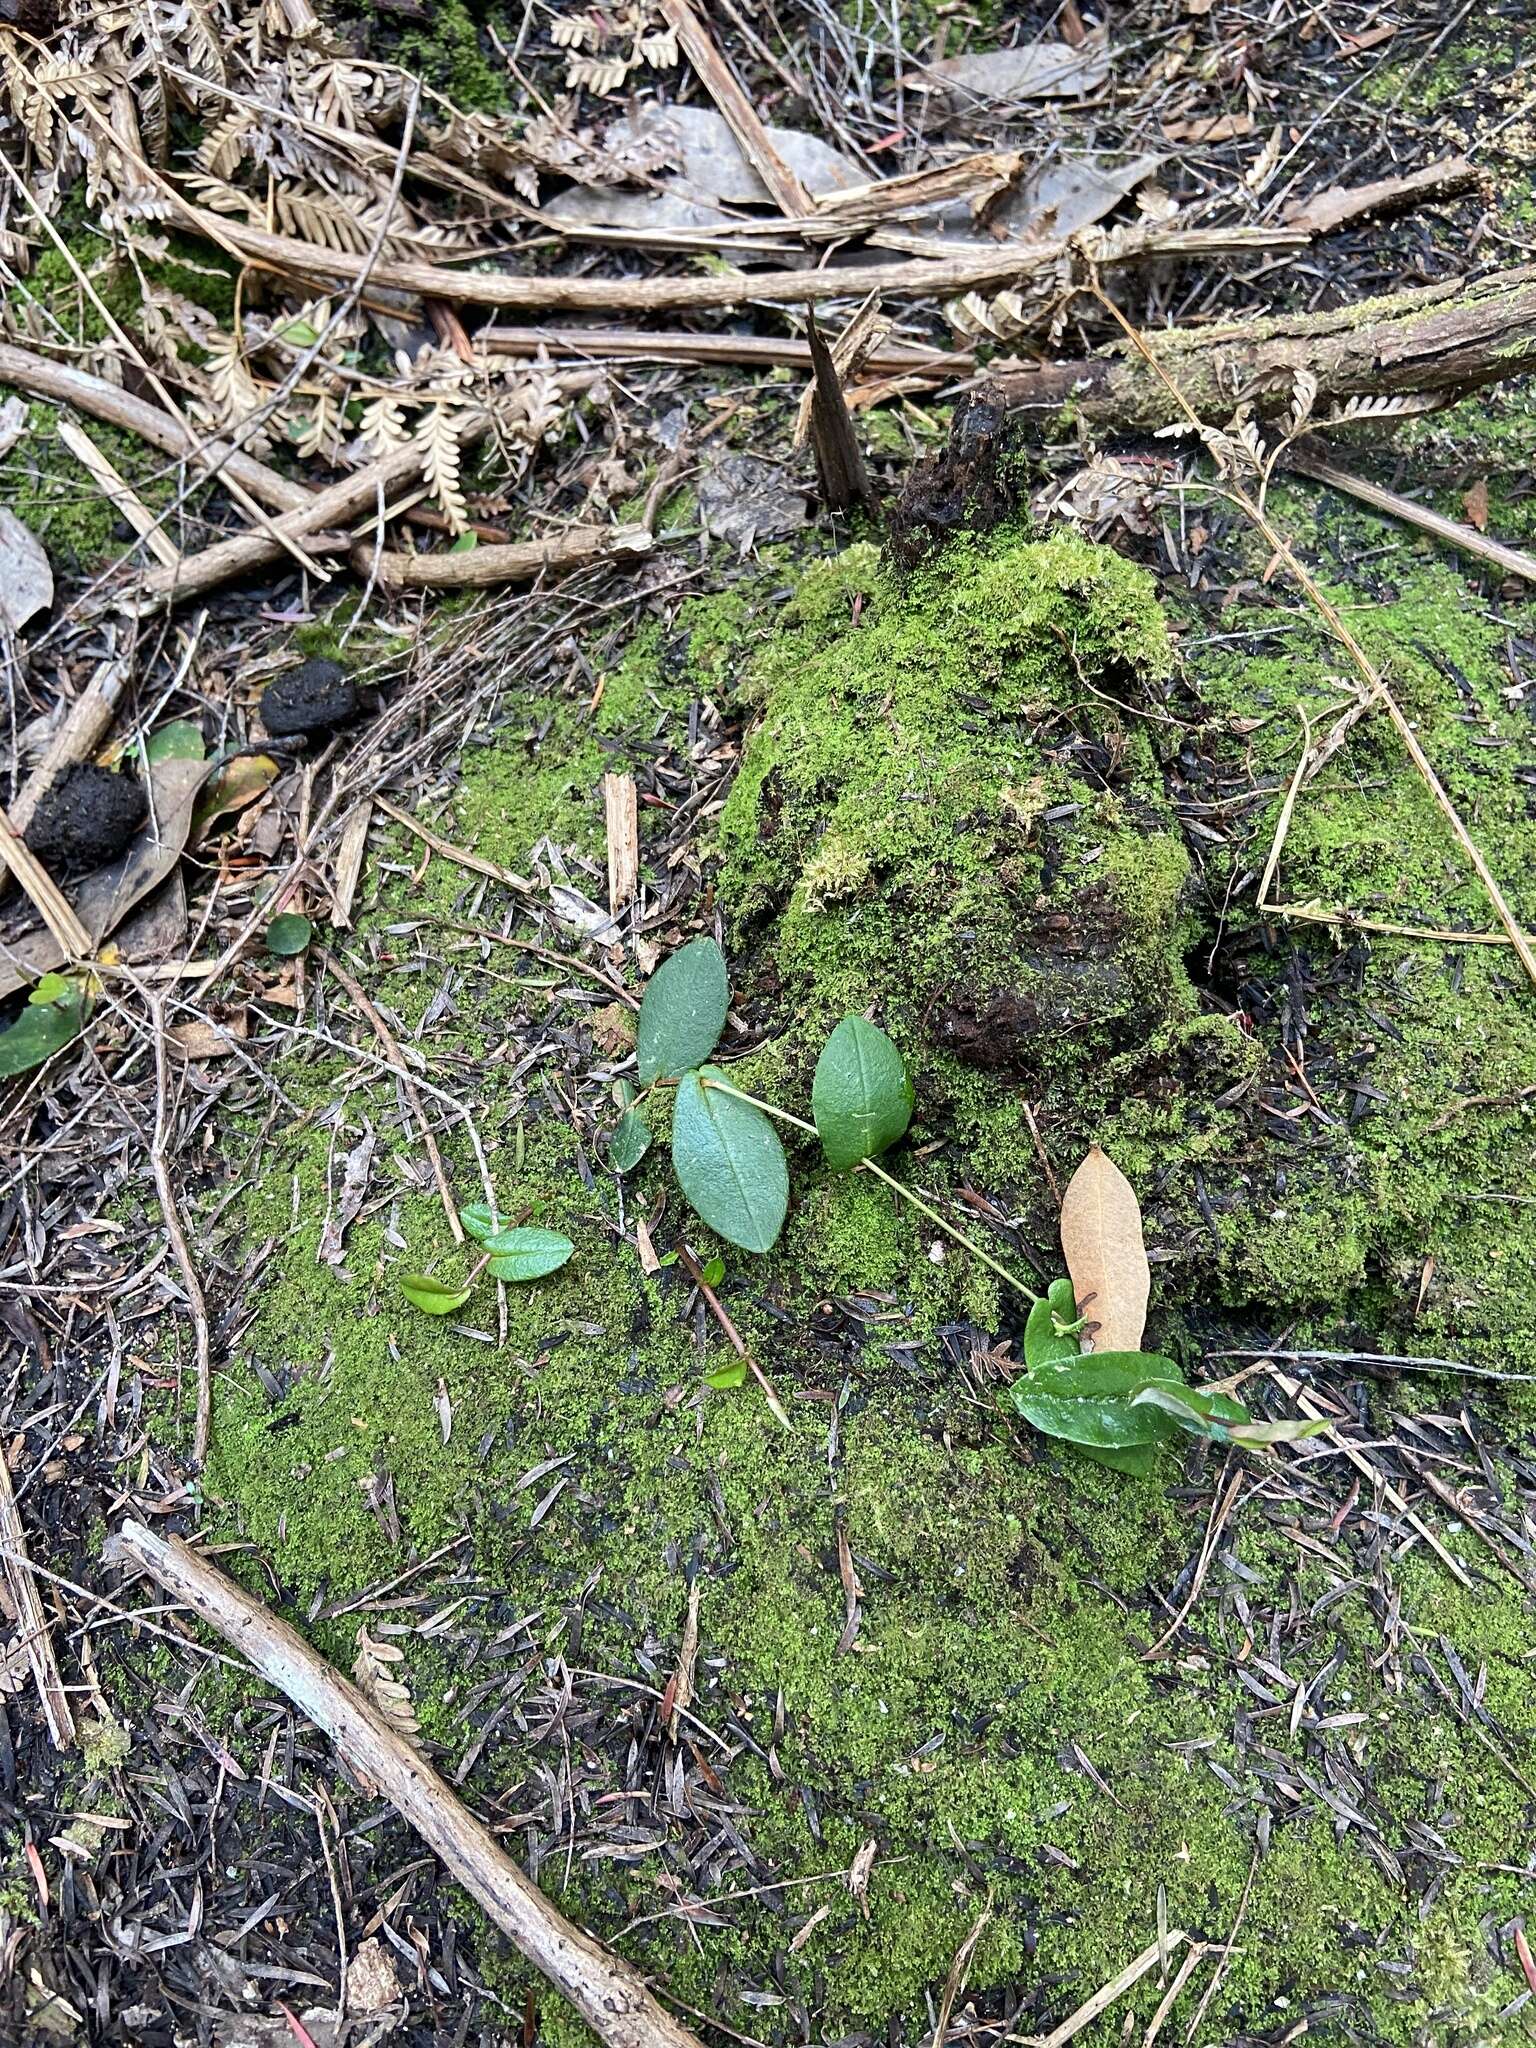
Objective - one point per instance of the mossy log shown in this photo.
(1436, 344)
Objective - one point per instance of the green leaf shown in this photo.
(289, 934)
(1045, 1340)
(682, 1012)
(1207, 1413)
(527, 1254)
(466, 543)
(861, 1098)
(39, 1032)
(1088, 1400)
(1196, 1409)
(53, 988)
(179, 741)
(629, 1141)
(1138, 1459)
(714, 1272)
(297, 333)
(731, 1374)
(432, 1296)
(479, 1221)
(729, 1162)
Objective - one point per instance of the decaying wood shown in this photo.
(1433, 344)
(30, 1619)
(1102, 1243)
(840, 470)
(741, 117)
(621, 824)
(982, 179)
(527, 291)
(1307, 460)
(517, 561)
(1324, 211)
(609, 1995)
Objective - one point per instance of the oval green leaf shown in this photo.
(479, 1221)
(432, 1296)
(39, 1032)
(289, 934)
(682, 1013)
(526, 1254)
(861, 1098)
(181, 740)
(731, 1374)
(629, 1142)
(729, 1163)
(1045, 1342)
(1089, 1400)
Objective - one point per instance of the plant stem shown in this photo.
(898, 1186)
(950, 1229)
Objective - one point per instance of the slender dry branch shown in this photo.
(1307, 460)
(517, 561)
(526, 291)
(61, 384)
(30, 1619)
(608, 1993)
(741, 117)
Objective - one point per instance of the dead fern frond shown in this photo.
(439, 438)
(374, 1669)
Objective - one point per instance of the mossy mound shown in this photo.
(962, 785)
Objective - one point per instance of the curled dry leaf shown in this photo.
(1105, 1253)
(375, 1671)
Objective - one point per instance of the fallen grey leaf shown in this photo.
(13, 424)
(711, 174)
(26, 581)
(1029, 71)
(579, 913)
(354, 1192)
(1059, 199)
(157, 925)
(743, 499)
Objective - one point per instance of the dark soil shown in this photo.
(315, 698)
(85, 819)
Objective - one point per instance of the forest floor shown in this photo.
(901, 1723)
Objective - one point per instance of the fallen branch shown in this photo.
(631, 344)
(1435, 344)
(608, 1993)
(1307, 461)
(347, 499)
(517, 561)
(1330, 209)
(525, 291)
(61, 384)
(741, 117)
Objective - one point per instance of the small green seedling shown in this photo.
(518, 1253)
(1118, 1406)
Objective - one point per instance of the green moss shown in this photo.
(935, 796)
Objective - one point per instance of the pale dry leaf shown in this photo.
(1105, 1253)
(1475, 504)
(26, 580)
(374, 1670)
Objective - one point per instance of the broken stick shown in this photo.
(29, 1616)
(516, 561)
(610, 1995)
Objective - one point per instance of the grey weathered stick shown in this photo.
(30, 1618)
(741, 117)
(1307, 460)
(610, 1995)
(62, 384)
(514, 561)
(334, 506)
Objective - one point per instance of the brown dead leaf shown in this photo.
(204, 1040)
(1214, 128)
(1475, 504)
(1105, 1253)
(681, 1687)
